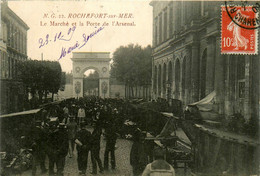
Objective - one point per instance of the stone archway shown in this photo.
(98, 61)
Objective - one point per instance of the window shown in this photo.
(25, 45)
(5, 35)
(171, 21)
(179, 16)
(12, 36)
(8, 35)
(202, 8)
(241, 76)
(184, 12)
(156, 31)
(241, 89)
(15, 38)
(165, 24)
(12, 66)
(21, 41)
(2, 64)
(9, 66)
(160, 28)
(241, 68)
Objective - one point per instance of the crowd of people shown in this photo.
(63, 126)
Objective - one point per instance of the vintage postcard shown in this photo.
(129, 88)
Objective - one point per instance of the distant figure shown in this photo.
(83, 139)
(53, 146)
(89, 115)
(72, 129)
(81, 115)
(66, 114)
(159, 167)
(38, 136)
(95, 149)
(63, 141)
(66, 110)
(111, 137)
(192, 113)
(187, 114)
(44, 114)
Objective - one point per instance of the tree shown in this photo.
(132, 65)
(40, 77)
(52, 77)
(63, 81)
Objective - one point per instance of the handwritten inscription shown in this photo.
(58, 36)
(78, 45)
(67, 37)
(74, 22)
(65, 51)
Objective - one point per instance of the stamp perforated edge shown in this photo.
(238, 52)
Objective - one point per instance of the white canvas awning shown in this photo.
(206, 104)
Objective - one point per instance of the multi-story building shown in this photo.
(188, 64)
(13, 48)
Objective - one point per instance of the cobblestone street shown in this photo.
(122, 153)
(123, 167)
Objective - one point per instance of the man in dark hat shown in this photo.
(95, 148)
(53, 144)
(63, 148)
(111, 136)
(138, 157)
(83, 141)
(39, 139)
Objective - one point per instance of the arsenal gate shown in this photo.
(99, 61)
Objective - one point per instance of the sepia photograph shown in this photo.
(129, 88)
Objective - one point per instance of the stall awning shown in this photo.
(206, 104)
(206, 107)
(33, 111)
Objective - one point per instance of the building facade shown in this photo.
(187, 60)
(13, 48)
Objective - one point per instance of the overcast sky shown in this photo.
(36, 13)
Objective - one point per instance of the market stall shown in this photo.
(15, 141)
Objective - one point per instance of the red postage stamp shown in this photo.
(239, 30)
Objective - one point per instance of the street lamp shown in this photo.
(168, 85)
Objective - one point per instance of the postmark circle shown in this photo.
(254, 22)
